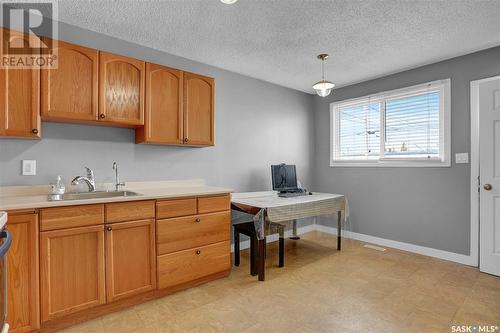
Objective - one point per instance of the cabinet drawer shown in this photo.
(213, 204)
(192, 264)
(174, 208)
(130, 211)
(71, 216)
(187, 232)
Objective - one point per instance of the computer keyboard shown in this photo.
(292, 194)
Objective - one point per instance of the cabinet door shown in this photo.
(163, 109)
(187, 266)
(19, 100)
(69, 92)
(198, 109)
(23, 305)
(130, 258)
(121, 90)
(71, 270)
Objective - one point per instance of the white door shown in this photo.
(489, 175)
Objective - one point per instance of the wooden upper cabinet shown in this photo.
(199, 92)
(121, 90)
(19, 100)
(72, 273)
(23, 304)
(163, 109)
(69, 92)
(130, 258)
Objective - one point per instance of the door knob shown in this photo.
(487, 187)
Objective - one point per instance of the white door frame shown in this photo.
(474, 167)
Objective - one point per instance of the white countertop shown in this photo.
(26, 197)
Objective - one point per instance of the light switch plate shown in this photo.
(29, 167)
(461, 158)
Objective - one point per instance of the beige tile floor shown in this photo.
(322, 290)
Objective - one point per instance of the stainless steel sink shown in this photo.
(91, 195)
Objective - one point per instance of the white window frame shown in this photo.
(444, 131)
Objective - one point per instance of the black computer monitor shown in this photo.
(284, 177)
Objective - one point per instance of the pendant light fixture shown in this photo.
(323, 88)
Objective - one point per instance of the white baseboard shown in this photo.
(426, 251)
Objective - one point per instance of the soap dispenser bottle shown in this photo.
(58, 187)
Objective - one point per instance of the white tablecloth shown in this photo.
(278, 209)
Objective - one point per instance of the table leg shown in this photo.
(294, 235)
(339, 229)
(254, 253)
(281, 261)
(262, 259)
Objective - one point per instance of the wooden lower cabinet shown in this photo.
(182, 233)
(23, 304)
(73, 263)
(72, 273)
(130, 258)
(188, 265)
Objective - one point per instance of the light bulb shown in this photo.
(323, 88)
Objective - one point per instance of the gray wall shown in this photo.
(257, 124)
(423, 206)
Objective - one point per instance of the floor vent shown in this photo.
(374, 247)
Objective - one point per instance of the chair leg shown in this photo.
(236, 248)
(281, 252)
(253, 255)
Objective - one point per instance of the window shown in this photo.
(404, 127)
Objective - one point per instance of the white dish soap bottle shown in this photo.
(58, 187)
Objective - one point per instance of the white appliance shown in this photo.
(5, 242)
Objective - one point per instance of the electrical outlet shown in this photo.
(29, 167)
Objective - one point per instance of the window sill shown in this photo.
(391, 164)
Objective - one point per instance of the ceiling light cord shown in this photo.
(322, 69)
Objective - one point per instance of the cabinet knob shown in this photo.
(488, 187)
(198, 251)
(102, 116)
(34, 131)
(186, 139)
(109, 228)
(197, 220)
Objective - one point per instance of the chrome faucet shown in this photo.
(117, 178)
(89, 180)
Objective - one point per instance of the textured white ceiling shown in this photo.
(278, 40)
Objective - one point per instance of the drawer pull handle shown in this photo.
(198, 251)
(197, 220)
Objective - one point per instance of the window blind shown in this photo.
(412, 126)
(403, 127)
(359, 131)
